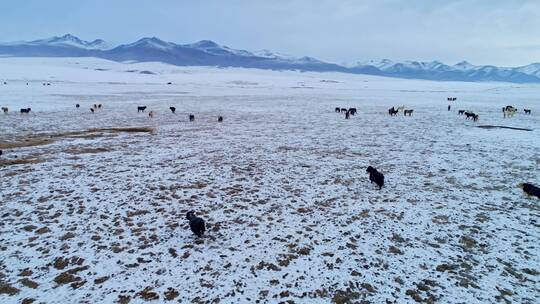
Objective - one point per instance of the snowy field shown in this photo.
(91, 213)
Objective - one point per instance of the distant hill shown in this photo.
(209, 53)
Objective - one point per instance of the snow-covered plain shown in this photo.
(99, 216)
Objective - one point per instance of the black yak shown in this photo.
(392, 111)
(375, 176)
(195, 223)
(469, 115)
(530, 189)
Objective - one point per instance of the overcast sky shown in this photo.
(499, 32)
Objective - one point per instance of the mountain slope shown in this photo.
(63, 46)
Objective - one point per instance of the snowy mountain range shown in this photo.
(209, 53)
(462, 71)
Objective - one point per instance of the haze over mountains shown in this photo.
(209, 53)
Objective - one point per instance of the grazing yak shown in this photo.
(173, 109)
(527, 111)
(405, 112)
(220, 119)
(27, 110)
(530, 189)
(5, 109)
(337, 110)
(92, 110)
(352, 111)
(460, 112)
(472, 116)
(77, 106)
(141, 109)
(392, 111)
(196, 224)
(375, 176)
(343, 110)
(509, 111)
(191, 117)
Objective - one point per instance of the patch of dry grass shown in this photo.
(45, 139)
(29, 142)
(22, 161)
(85, 150)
